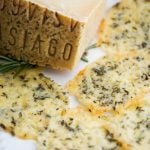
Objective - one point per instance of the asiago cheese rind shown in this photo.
(48, 33)
(132, 124)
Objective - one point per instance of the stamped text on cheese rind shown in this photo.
(67, 51)
(73, 25)
(16, 7)
(52, 47)
(13, 33)
(2, 4)
(37, 44)
(57, 20)
(32, 9)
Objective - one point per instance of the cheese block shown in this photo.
(78, 129)
(112, 81)
(28, 102)
(127, 27)
(53, 33)
(132, 124)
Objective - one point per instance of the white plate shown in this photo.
(7, 142)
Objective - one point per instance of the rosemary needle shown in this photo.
(9, 64)
(92, 46)
(84, 57)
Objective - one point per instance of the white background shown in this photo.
(7, 142)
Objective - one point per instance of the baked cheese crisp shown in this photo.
(28, 101)
(127, 27)
(112, 81)
(132, 124)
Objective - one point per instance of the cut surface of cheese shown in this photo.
(53, 33)
(112, 81)
(132, 124)
(78, 129)
(127, 27)
(28, 102)
(79, 10)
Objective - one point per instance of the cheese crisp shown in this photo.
(132, 125)
(78, 129)
(127, 27)
(112, 81)
(28, 102)
(34, 107)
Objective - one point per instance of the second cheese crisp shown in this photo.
(78, 130)
(53, 33)
(127, 27)
(112, 81)
(132, 124)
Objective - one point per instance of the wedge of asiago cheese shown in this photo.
(48, 32)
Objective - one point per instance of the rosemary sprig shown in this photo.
(92, 46)
(84, 57)
(9, 64)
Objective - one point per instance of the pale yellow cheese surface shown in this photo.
(78, 129)
(29, 102)
(77, 9)
(127, 27)
(112, 81)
